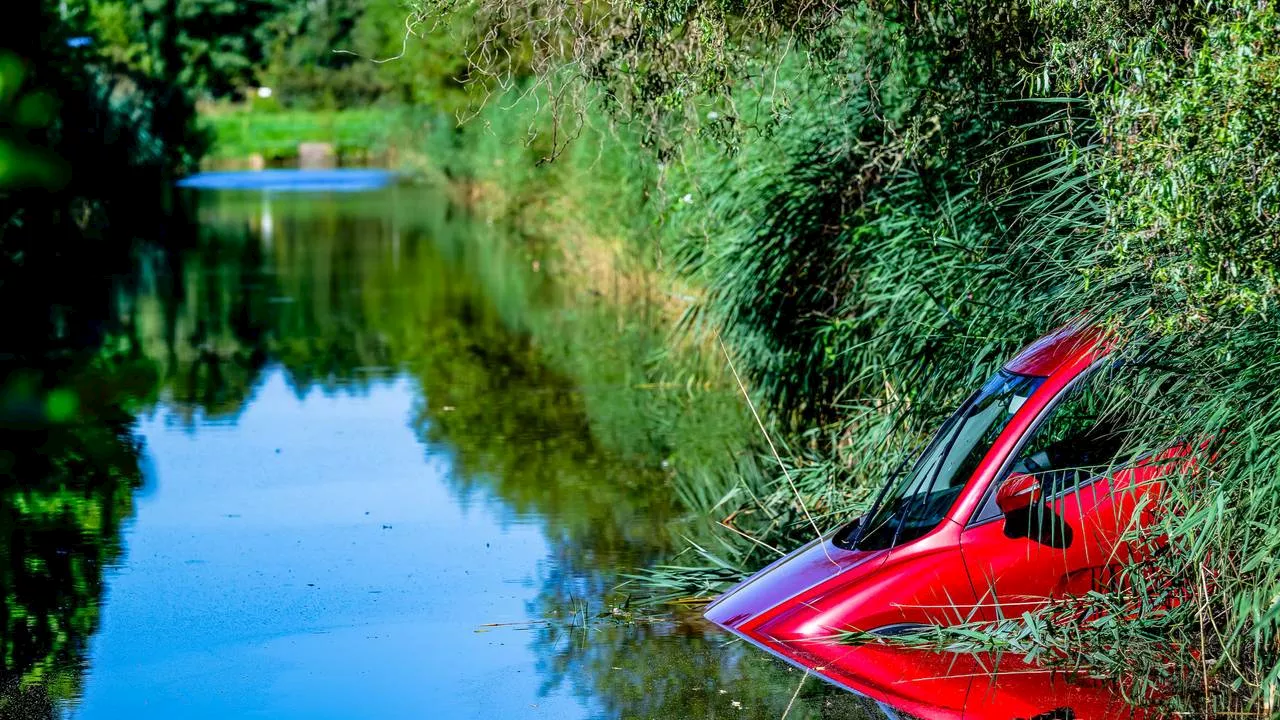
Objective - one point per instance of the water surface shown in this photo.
(318, 471)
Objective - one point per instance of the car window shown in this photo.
(1075, 444)
(913, 504)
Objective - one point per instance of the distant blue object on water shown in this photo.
(341, 180)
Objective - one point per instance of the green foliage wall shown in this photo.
(883, 201)
(86, 157)
(329, 54)
(1141, 195)
(218, 45)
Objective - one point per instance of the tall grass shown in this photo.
(869, 272)
(939, 185)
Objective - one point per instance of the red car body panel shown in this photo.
(1059, 350)
(961, 570)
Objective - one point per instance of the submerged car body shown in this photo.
(1013, 503)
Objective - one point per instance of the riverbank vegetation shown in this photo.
(274, 74)
(877, 205)
(872, 205)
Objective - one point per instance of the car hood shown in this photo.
(918, 681)
(768, 592)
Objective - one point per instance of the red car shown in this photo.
(1014, 502)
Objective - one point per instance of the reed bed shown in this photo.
(907, 195)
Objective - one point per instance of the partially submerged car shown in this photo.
(1017, 500)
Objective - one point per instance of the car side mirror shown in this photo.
(1017, 493)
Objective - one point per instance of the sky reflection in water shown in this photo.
(311, 562)
(350, 462)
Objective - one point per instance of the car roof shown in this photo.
(1062, 348)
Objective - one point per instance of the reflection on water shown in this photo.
(61, 528)
(318, 474)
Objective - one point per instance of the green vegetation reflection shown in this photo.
(343, 291)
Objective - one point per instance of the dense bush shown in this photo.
(905, 194)
(87, 156)
(311, 55)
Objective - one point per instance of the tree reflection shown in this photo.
(520, 435)
(339, 291)
(67, 491)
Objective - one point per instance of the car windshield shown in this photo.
(914, 503)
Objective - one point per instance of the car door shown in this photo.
(1130, 501)
(1069, 541)
(1015, 572)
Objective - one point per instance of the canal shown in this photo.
(319, 470)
